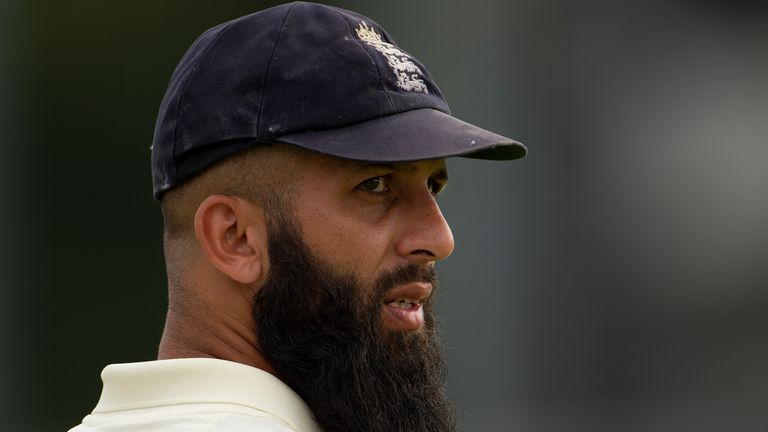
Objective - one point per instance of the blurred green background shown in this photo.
(614, 280)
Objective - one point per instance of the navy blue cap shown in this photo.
(315, 76)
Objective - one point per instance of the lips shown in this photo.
(403, 306)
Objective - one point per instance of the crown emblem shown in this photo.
(409, 76)
(367, 34)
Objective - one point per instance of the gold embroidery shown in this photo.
(409, 76)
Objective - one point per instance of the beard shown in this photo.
(322, 331)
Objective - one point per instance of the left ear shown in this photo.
(233, 234)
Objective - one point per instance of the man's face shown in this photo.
(369, 219)
(346, 315)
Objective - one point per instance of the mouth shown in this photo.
(403, 306)
(404, 303)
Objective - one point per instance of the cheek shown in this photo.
(346, 241)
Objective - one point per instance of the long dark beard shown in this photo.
(322, 332)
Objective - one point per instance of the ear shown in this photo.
(233, 234)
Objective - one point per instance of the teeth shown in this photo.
(403, 303)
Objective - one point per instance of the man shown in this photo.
(297, 156)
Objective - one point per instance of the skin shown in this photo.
(363, 218)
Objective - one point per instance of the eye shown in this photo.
(435, 186)
(374, 184)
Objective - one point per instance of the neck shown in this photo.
(209, 332)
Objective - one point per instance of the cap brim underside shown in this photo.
(408, 136)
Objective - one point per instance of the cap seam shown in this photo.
(378, 71)
(184, 92)
(269, 67)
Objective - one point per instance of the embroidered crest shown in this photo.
(409, 76)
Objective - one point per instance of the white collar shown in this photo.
(200, 380)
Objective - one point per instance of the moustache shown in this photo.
(403, 275)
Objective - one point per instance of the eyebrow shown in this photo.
(441, 174)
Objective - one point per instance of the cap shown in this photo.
(315, 76)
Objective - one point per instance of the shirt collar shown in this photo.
(200, 380)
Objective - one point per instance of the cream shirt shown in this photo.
(195, 395)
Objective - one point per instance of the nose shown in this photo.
(426, 236)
